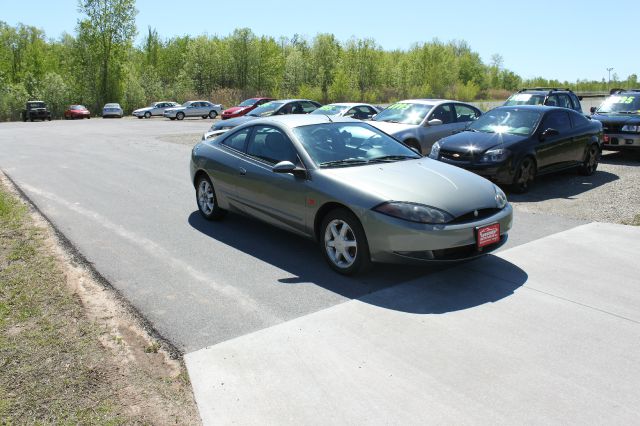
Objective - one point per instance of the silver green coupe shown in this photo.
(363, 195)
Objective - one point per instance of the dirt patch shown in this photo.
(70, 350)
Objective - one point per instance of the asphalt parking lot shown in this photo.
(119, 190)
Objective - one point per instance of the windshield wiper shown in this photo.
(393, 158)
(345, 162)
(627, 112)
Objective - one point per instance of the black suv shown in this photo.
(549, 96)
(620, 118)
(36, 110)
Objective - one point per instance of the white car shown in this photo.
(155, 109)
(112, 110)
(202, 109)
(348, 109)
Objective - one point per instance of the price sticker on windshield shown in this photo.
(487, 235)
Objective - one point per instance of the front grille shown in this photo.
(456, 155)
(472, 216)
(611, 127)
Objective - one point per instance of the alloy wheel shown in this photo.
(206, 199)
(340, 243)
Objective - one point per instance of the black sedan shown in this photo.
(511, 145)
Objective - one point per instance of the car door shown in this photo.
(554, 151)
(430, 134)
(225, 172)
(276, 198)
(582, 135)
(157, 109)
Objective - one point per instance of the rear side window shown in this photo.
(237, 140)
(579, 120)
(558, 120)
(308, 107)
(564, 101)
(465, 113)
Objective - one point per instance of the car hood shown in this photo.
(620, 119)
(233, 122)
(482, 141)
(422, 181)
(234, 109)
(392, 128)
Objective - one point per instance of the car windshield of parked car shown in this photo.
(35, 105)
(525, 99)
(350, 144)
(112, 106)
(266, 110)
(78, 107)
(513, 121)
(404, 113)
(186, 104)
(621, 104)
(248, 102)
(329, 109)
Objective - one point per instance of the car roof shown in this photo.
(290, 100)
(35, 102)
(298, 120)
(427, 101)
(348, 104)
(539, 108)
(543, 90)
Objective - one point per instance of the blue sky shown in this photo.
(577, 40)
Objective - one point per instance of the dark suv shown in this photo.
(36, 110)
(620, 118)
(548, 96)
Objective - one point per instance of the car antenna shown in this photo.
(330, 120)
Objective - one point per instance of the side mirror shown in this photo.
(288, 167)
(593, 110)
(549, 133)
(434, 122)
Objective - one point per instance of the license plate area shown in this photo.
(487, 235)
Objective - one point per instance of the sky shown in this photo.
(561, 39)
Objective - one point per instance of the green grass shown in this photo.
(51, 362)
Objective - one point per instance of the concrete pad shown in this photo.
(547, 332)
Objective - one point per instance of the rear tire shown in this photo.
(590, 163)
(207, 200)
(343, 242)
(180, 116)
(525, 175)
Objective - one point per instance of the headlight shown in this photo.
(435, 151)
(495, 155)
(413, 212)
(501, 198)
(633, 128)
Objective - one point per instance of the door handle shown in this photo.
(243, 171)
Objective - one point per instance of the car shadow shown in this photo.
(463, 286)
(566, 184)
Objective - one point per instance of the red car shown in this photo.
(76, 111)
(244, 107)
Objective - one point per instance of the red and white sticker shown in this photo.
(486, 235)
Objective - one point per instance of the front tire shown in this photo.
(344, 243)
(525, 175)
(180, 116)
(147, 114)
(213, 115)
(207, 200)
(591, 159)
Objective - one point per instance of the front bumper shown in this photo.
(170, 114)
(393, 240)
(621, 141)
(501, 173)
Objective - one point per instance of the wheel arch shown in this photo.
(323, 211)
(198, 174)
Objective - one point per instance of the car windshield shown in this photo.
(350, 144)
(525, 99)
(35, 105)
(621, 104)
(404, 112)
(186, 104)
(508, 120)
(248, 102)
(112, 106)
(266, 110)
(330, 109)
(78, 107)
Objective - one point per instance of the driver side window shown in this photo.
(444, 113)
(271, 145)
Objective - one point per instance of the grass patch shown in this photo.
(51, 362)
(634, 222)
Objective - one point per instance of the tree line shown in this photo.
(100, 63)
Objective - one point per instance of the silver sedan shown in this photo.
(202, 109)
(364, 196)
(112, 110)
(155, 109)
(421, 122)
